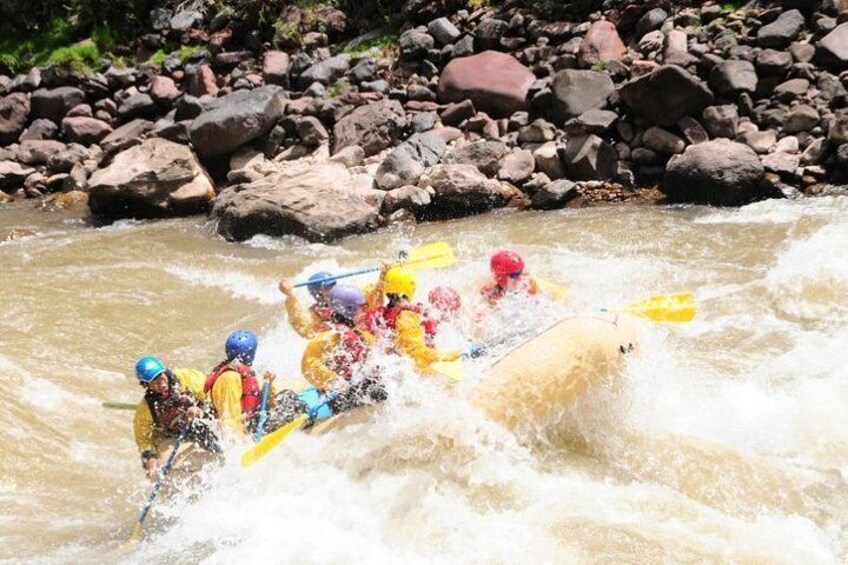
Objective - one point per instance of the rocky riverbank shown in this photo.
(468, 110)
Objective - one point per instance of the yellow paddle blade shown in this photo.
(431, 256)
(666, 308)
(450, 369)
(270, 441)
(135, 535)
(553, 290)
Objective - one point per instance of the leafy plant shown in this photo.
(82, 57)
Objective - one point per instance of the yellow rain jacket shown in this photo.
(319, 364)
(409, 339)
(305, 321)
(149, 436)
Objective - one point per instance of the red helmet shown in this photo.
(505, 263)
(445, 298)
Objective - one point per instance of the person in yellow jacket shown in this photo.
(236, 393)
(334, 360)
(173, 400)
(405, 322)
(309, 322)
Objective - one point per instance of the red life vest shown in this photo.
(251, 395)
(383, 319)
(350, 353)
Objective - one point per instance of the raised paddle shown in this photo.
(136, 533)
(431, 256)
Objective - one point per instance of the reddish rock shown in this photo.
(641, 68)
(163, 90)
(84, 130)
(202, 82)
(14, 113)
(495, 82)
(373, 127)
(298, 105)
(601, 44)
(80, 110)
(220, 39)
(421, 106)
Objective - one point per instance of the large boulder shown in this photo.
(54, 104)
(487, 156)
(129, 134)
(720, 172)
(373, 127)
(14, 113)
(405, 164)
(318, 202)
(495, 82)
(782, 31)
(601, 44)
(588, 157)
(576, 92)
(460, 189)
(236, 119)
(157, 178)
(832, 50)
(666, 95)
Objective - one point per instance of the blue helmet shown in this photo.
(346, 299)
(317, 282)
(242, 345)
(148, 368)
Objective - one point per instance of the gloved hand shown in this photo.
(475, 351)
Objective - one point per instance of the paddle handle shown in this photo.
(263, 411)
(165, 470)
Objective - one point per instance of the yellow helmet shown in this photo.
(400, 280)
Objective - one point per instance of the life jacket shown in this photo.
(169, 413)
(383, 319)
(251, 394)
(350, 352)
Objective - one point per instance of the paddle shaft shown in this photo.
(263, 411)
(364, 271)
(165, 470)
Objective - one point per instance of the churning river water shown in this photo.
(725, 441)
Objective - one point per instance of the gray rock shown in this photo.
(554, 195)
(182, 21)
(236, 119)
(837, 132)
(517, 167)
(54, 104)
(138, 106)
(84, 130)
(719, 172)
(653, 19)
(275, 68)
(455, 114)
(781, 163)
(364, 71)
(591, 121)
(40, 129)
(791, 89)
(407, 162)
(721, 121)
(733, 77)
(13, 175)
(464, 47)
(312, 132)
(424, 121)
(801, 118)
(651, 42)
(832, 50)
(130, 134)
(14, 114)
(375, 86)
(548, 161)
(406, 198)
(160, 18)
(373, 127)
(319, 202)
(576, 92)
(589, 157)
(154, 179)
(815, 152)
(488, 34)
(443, 31)
(802, 52)
(760, 141)
(781, 32)
(693, 130)
(644, 156)
(662, 141)
(539, 131)
(64, 161)
(326, 72)
(460, 189)
(666, 95)
(414, 44)
(772, 62)
(351, 156)
(38, 152)
(486, 156)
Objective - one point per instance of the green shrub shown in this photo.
(81, 57)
